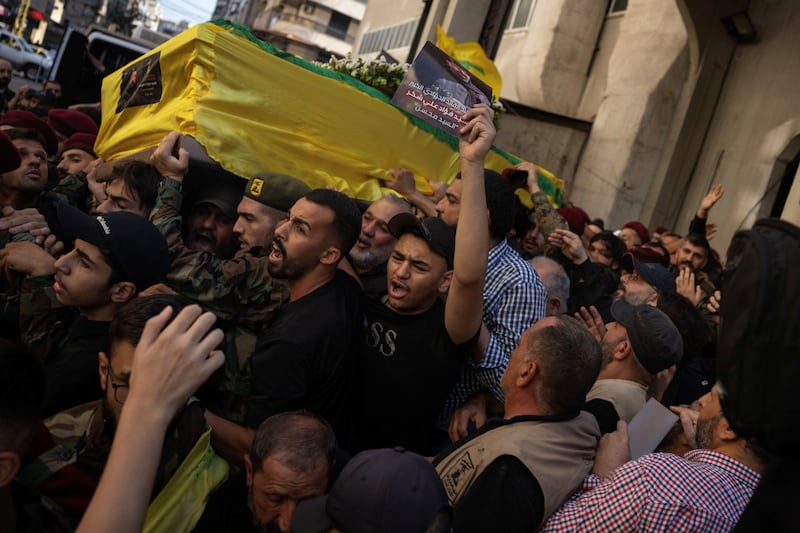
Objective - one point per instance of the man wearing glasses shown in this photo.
(642, 280)
(82, 436)
(66, 304)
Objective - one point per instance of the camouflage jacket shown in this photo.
(71, 189)
(548, 219)
(546, 215)
(238, 290)
(228, 392)
(83, 438)
(44, 323)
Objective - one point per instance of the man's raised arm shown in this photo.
(464, 308)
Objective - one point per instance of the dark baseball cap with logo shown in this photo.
(135, 244)
(439, 236)
(278, 191)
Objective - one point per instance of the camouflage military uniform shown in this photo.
(546, 215)
(43, 322)
(227, 394)
(240, 291)
(82, 438)
(548, 220)
(73, 190)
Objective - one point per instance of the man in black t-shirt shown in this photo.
(415, 344)
(305, 359)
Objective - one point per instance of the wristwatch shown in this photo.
(170, 182)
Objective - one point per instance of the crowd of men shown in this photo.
(468, 362)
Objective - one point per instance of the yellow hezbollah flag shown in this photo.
(255, 108)
(181, 502)
(472, 57)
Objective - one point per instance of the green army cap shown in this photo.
(278, 191)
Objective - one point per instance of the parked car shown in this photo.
(44, 52)
(23, 56)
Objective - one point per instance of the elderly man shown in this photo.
(289, 461)
(555, 281)
(524, 466)
(375, 243)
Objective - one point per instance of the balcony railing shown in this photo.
(314, 25)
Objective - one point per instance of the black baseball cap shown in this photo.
(439, 236)
(389, 490)
(136, 245)
(656, 341)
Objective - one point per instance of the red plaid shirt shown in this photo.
(702, 491)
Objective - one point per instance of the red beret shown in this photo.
(639, 228)
(69, 121)
(645, 254)
(9, 156)
(27, 120)
(576, 218)
(81, 141)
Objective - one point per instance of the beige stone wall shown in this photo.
(598, 75)
(756, 118)
(675, 104)
(549, 144)
(380, 13)
(545, 65)
(646, 76)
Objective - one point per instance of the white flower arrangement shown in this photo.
(377, 73)
(386, 77)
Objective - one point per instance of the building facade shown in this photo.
(315, 30)
(640, 105)
(149, 14)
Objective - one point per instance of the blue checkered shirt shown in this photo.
(513, 300)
